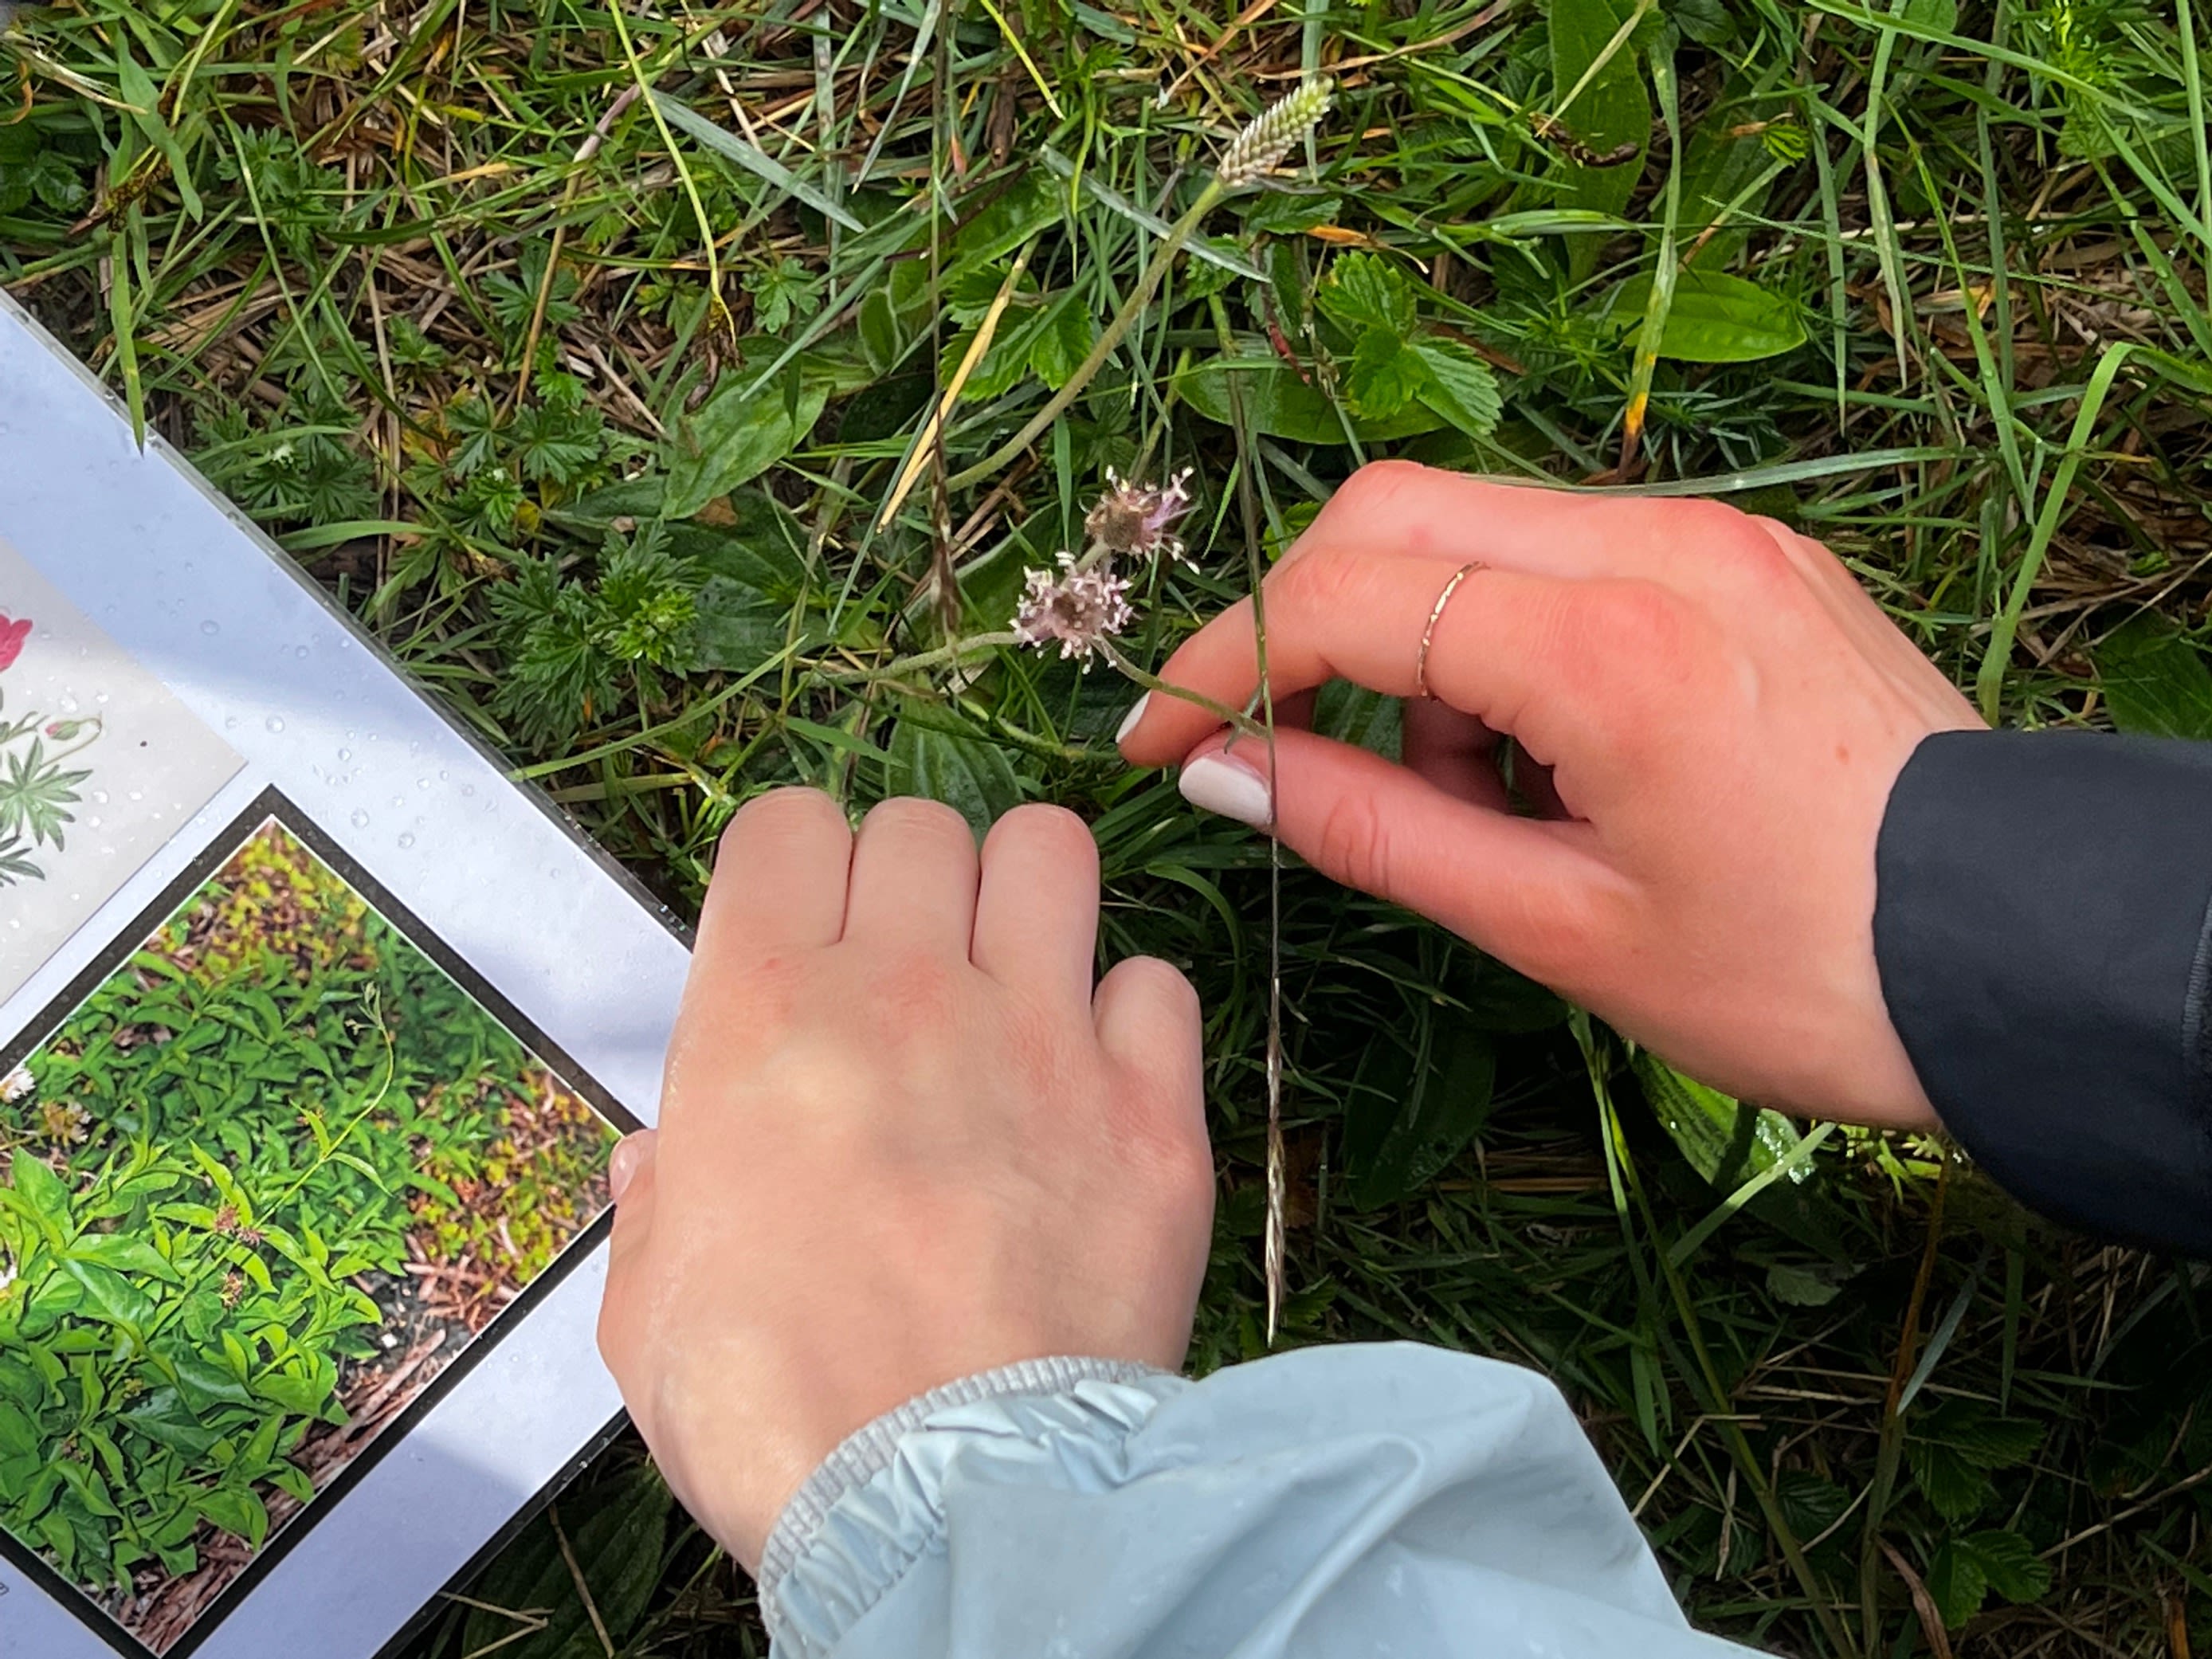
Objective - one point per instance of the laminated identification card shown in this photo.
(315, 1034)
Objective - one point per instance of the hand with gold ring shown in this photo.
(1715, 711)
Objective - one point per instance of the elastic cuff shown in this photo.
(867, 1452)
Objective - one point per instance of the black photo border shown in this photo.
(273, 804)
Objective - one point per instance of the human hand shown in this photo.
(1717, 711)
(901, 1141)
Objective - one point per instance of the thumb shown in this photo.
(1529, 892)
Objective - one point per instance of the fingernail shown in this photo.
(1218, 783)
(621, 1163)
(1129, 720)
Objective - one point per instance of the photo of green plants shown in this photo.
(262, 1186)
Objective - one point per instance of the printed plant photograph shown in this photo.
(101, 765)
(266, 1183)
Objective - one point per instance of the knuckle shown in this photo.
(913, 817)
(790, 812)
(1162, 983)
(1049, 828)
(1354, 844)
(922, 986)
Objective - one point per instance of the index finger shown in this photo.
(1353, 598)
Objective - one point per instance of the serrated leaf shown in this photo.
(1365, 291)
(1955, 1488)
(1462, 387)
(2155, 683)
(1063, 340)
(1279, 404)
(1954, 1582)
(1382, 376)
(1978, 1434)
(2011, 1565)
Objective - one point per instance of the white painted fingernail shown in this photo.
(1215, 783)
(1129, 720)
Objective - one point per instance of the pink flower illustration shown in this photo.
(12, 636)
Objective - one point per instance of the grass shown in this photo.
(592, 405)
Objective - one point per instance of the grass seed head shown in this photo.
(1260, 149)
(1081, 608)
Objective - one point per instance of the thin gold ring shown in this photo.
(1436, 615)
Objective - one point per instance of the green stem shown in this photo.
(1116, 331)
(1244, 724)
(959, 651)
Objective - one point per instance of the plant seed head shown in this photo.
(17, 1085)
(1260, 149)
(62, 1123)
(1135, 521)
(1081, 609)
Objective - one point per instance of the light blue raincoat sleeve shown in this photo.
(1373, 1500)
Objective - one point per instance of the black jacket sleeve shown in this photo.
(2043, 930)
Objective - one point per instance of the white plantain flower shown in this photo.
(1260, 149)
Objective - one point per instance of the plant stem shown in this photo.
(1116, 331)
(1244, 724)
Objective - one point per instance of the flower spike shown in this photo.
(1260, 149)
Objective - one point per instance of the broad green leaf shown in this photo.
(2155, 682)
(1729, 1143)
(1809, 1503)
(40, 1190)
(1716, 317)
(1063, 338)
(1277, 404)
(1612, 110)
(1726, 1141)
(164, 1419)
(18, 1434)
(240, 1513)
(969, 773)
(1955, 1487)
(1802, 1286)
(126, 1255)
(206, 1382)
(732, 439)
(109, 1296)
(306, 1396)
(1504, 1002)
(738, 628)
(1410, 1114)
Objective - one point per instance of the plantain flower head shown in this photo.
(1136, 520)
(1080, 608)
(1260, 149)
